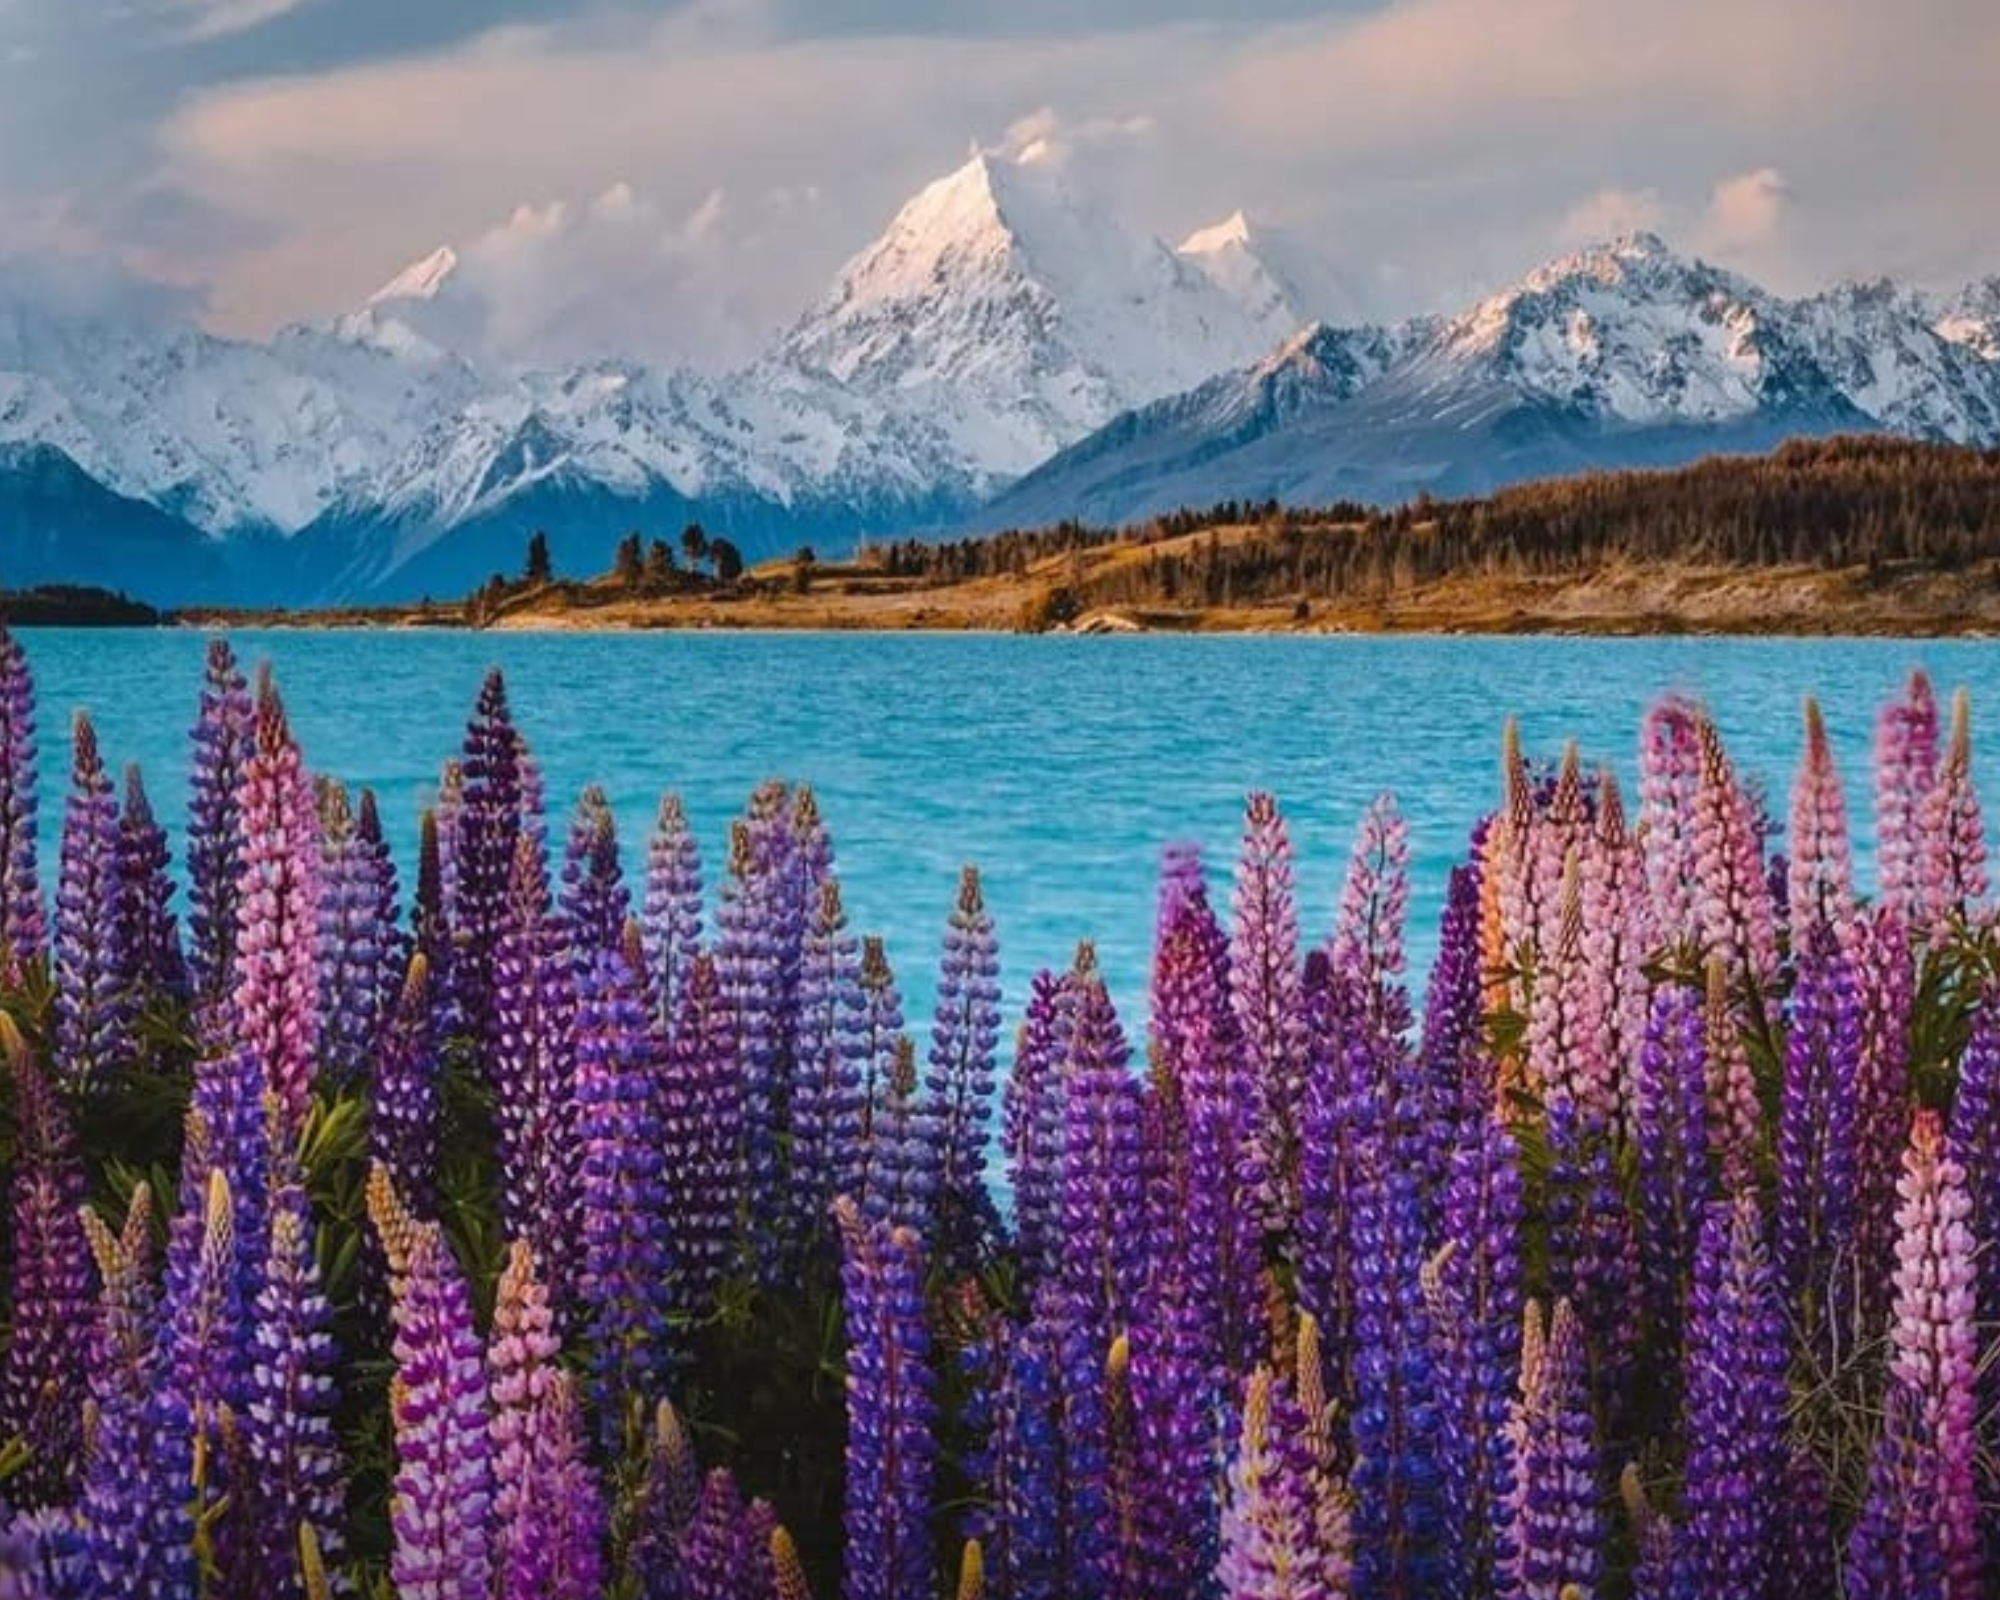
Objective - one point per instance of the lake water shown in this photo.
(1060, 766)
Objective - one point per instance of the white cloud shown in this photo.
(202, 20)
(1611, 212)
(1745, 213)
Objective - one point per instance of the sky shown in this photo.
(675, 181)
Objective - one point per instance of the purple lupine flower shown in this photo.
(1554, 1537)
(1283, 1527)
(1162, 1235)
(622, 1192)
(1803, 1569)
(481, 857)
(430, 924)
(149, 940)
(1473, 1291)
(1921, 1531)
(1885, 973)
(562, 1556)
(1195, 1041)
(51, 1293)
(595, 901)
(668, 1495)
(671, 915)
(1906, 763)
(439, 1517)
(533, 1066)
(1952, 880)
(827, 1108)
(92, 1034)
(1045, 1526)
(1511, 855)
(965, 1040)
(406, 1104)
(1820, 889)
(1367, 946)
(1177, 1450)
(297, 1477)
(1975, 1146)
(1592, 1248)
(903, 1163)
(1264, 987)
(1454, 1055)
(1816, 1137)
(1102, 1180)
(891, 1446)
(1343, 1071)
(45, 1554)
(1734, 1411)
(1671, 1142)
(1031, 1130)
(701, 1132)
(1670, 776)
(277, 929)
(221, 739)
(726, 1554)
(23, 924)
(884, 1168)
(355, 946)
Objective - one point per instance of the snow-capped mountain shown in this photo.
(1626, 353)
(1019, 315)
(1005, 352)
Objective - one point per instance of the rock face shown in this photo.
(1006, 352)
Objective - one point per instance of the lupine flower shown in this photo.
(521, 1366)
(751, 939)
(1554, 1538)
(1669, 778)
(406, 1104)
(622, 1195)
(1283, 1532)
(1593, 1252)
(671, 914)
(891, 1448)
(93, 1005)
(356, 946)
(1816, 1134)
(827, 1108)
(1906, 762)
(1975, 1146)
(1921, 1531)
(1031, 1134)
(297, 1478)
(1101, 1185)
(52, 1296)
(1568, 1017)
(23, 927)
(726, 1553)
(483, 852)
(1671, 1141)
(1733, 907)
(1804, 1567)
(1344, 1059)
(1367, 946)
(430, 925)
(533, 1063)
(448, 813)
(965, 1039)
(1735, 1119)
(668, 1496)
(1177, 1449)
(1264, 986)
(149, 941)
(1514, 895)
(883, 1168)
(701, 1112)
(1820, 892)
(1951, 867)
(1734, 1411)
(595, 901)
(443, 1485)
(221, 739)
(276, 994)
(1885, 971)
(550, 1544)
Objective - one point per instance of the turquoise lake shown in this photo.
(1059, 766)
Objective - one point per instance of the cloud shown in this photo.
(1611, 212)
(202, 20)
(1746, 212)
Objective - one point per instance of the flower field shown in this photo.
(586, 1218)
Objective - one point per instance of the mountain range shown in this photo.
(1007, 352)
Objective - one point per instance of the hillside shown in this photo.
(1849, 535)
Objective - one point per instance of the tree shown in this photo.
(803, 567)
(539, 569)
(628, 564)
(694, 544)
(659, 565)
(727, 558)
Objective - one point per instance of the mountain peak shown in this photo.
(1234, 229)
(420, 280)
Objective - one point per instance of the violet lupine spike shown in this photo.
(1554, 1532)
(1283, 1534)
(1031, 1125)
(448, 811)
(1885, 970)
(406, 1102)
(1816, 1138)
(1923, 1515)
(671, 911)
(1734, 1401)
(623, 1192)
(276, 992)
(1196, 1043)
(1820, 888)
(298, 1475)
(1178, 1452)
(443, 1489)
(727, 1554)
(1164, 1170)
(959, 1082)
(1264, 975)
(1374, 903)
(1670, 776)
(553, 1549)
(488, 823)
(1102, 1182)
(872, 1161)
(891, 1408)
(1473, 1292)
(1803, 1569)
(1456, 1062)
(430, 927)
(521, 1354)
(355, 946)
(149, 940)
(827, 1108)
(1906, 763)
(1343, 1063)
(1975, 1146)
(595, 901)
(1592, 1249)
(23, 922)
(221, 740)
(751, 938)
(904, 1160)
(92, 1032)
(533, 1067)
(668, 1496)
(701, 1121)
(52, 1296)
(1671, 1142)
(1952, 881)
